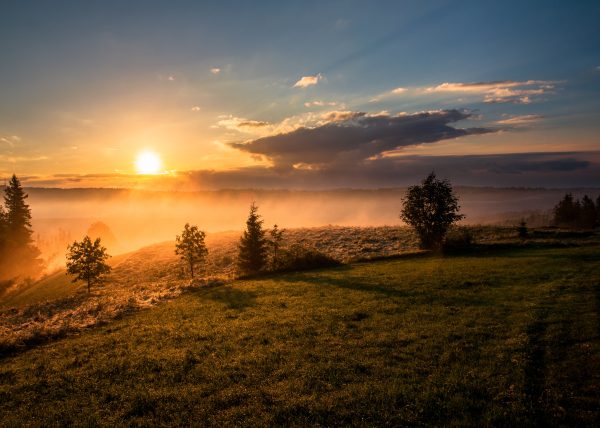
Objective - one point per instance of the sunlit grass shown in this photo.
(507, 338)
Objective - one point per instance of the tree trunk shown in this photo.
(192, 269)
(88, 283)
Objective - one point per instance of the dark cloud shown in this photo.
(351, 137)
(564, 169)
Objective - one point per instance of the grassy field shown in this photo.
(503, 336)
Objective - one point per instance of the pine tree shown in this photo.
(252, 256)
(19, 257)
(3, 228)
(566, 212)
(18, 216)
(587, 218)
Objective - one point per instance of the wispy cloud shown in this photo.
(10, 140)
(307, 81)
(506, 91)
(240, 124)
(195, 108)
(215, 70)
(341, 24)
(526, 119)
(395, 91)
(320, 103)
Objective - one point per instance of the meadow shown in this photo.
(505, 334)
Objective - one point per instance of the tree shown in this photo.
(275, 243)
(431, 208)
(587, 216)
(566, 212)
(3, 228)
(190, 246)
(18, 216)
(19, 257)
(86, 259)
(252, 256)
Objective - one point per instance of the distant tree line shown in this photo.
(19, 257)
(571, 212)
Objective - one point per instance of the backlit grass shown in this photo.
(510, 337)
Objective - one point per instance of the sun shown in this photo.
(148, 162)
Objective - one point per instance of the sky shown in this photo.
(309, 94)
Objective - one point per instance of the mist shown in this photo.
(136, 218)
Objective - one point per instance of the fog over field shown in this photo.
(138, 217)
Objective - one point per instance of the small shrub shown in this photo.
(522, 230)
(298, 257)
(458, 239)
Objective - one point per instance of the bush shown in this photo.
(298, 258)
(522, 230)
(458, 239)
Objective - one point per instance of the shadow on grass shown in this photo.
(233, 298)
(347, 282)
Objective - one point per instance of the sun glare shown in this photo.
(148, 163)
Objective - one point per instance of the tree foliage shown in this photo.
(275, 243)
(19, 257)
(18, 216)
(431, 208)
(190, 247)
(252, 256)
(87, 260)
(571, 212)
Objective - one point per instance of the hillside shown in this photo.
(505, 336)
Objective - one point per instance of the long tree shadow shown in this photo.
(349, 283)
(233, 298)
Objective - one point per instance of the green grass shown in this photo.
(55, 286)
(507, 338)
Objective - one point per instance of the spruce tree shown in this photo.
(588, 213)
(252, 256)
(18, 216)
(566, 212)
(19, 257)
(3, 229)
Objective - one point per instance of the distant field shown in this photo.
(507, 335)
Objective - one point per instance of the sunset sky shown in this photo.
(307, 94)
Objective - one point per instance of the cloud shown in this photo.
(505, 91)
(320, 103)
(15, 159)
(195, 108)
(241, 124)
(341, 24)
(215, 70)
(347, 137)
(526, 119)
(171, 78)
(10, 140)
(307, 81)
(396, 91)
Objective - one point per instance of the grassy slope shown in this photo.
(509, 338)
(55, 286)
